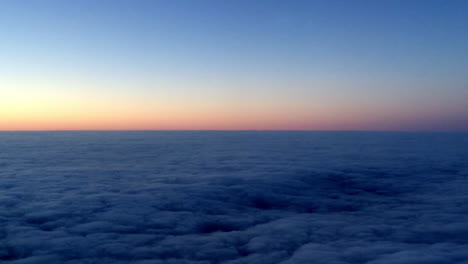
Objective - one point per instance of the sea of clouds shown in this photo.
(233, 197)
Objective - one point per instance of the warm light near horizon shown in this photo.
(159, 65)
(36, 112)
(46, 105)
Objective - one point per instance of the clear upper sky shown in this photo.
(234, 64)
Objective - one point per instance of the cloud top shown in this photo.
(233, 197)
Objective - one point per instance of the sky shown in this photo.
(234, 65)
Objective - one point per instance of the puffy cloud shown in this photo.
(233, 197)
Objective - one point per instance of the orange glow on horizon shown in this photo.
(68, 111)
(191, 119)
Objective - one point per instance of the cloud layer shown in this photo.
(233, 197)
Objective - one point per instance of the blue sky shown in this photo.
(378, 65)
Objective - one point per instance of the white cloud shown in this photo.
(233, 197)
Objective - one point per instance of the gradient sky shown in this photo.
(234, 64)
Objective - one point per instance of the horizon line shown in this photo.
(233, 130)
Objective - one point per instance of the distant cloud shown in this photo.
(225, 197)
